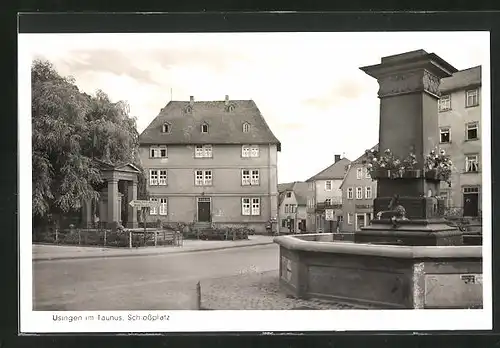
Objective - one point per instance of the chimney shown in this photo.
(191, 100)
(227, 100)
(337, 158)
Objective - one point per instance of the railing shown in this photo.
(99, 236)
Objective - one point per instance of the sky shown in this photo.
(308, 86)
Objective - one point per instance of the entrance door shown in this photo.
(471, 201)
(204, 209)
(360, 221)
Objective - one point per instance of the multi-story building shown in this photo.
(326, 195)
(292, 211)
(212, 161)
(358, 193)
(460, 136)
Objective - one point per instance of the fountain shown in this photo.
(408, 257)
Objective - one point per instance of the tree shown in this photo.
(69, 130)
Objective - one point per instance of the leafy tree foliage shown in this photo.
(69, 130)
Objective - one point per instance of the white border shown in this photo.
(260, 321)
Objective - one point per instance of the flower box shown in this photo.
(412, 174)
(432, 174)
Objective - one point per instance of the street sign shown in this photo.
(329, 214)
(138, 203)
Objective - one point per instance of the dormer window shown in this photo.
(165, 128)
(246, 127)
(204, 128)
(188, 109)
(230, 108)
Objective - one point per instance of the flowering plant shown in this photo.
(387, 161)
(439, 163)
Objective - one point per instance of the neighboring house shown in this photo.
(212, 161)
(460, 136)
(358, 192)
(326, 194)
(292, 211)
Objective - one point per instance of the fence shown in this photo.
(108, 238)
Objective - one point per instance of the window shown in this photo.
(287, 208)
(359, 193)
(246, 127)
(328, 185)
(472, 129)
(154, 209)
(165, 128)
(359, 173)
(472, 163)
(203, 151)
(350, 193)
(203, 178)
(444, 103)
(367, 174)
(162, 177)
(158, 151)
(204, 128)
(472, 98)
(328, 201)
(288, 194)
(283, 223)
(368, 192)
(349, 218)
(250, 151)
(473, 189)
(163, 206)
(444, 135)
(250, 206)
(250, 177)
(254, 151)
(153, 177)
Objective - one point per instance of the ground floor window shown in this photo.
(250, 206)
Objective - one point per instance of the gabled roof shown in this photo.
(358, 160)
(119, 167)
(301, 190)
(461, 80)
(335, 171)
(285, 186)
(225, 124)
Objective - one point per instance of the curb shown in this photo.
(146, 254)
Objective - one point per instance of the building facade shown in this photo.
(459, 111)
(293, 208)
(358, 193)
(212, 162)
(326, 196)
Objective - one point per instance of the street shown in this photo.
(151, 282)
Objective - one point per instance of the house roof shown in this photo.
(285, 186)
(335, 171)
(461, 79)
(300, 189)
(358, 160)
(225, 125)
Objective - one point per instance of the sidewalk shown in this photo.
(44, 252)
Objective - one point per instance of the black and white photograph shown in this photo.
(231, 181)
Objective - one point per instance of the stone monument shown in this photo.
(408, 210)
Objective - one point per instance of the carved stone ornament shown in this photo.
(431, 83)
(415, 81)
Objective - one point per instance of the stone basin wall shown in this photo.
(381, 276)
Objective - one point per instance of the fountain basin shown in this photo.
(381, 276)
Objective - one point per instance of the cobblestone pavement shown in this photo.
(256, 291)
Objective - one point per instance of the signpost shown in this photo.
(143, 205)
